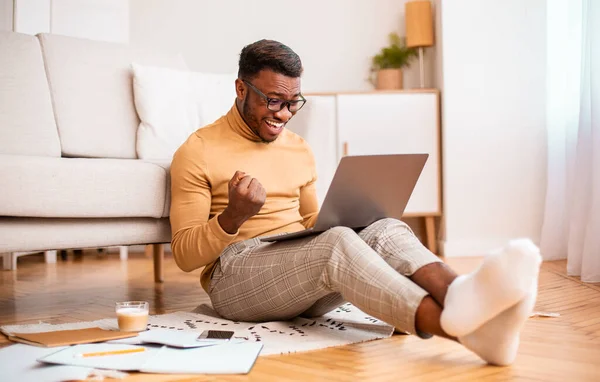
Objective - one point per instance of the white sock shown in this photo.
(503, 279)
(497, 341)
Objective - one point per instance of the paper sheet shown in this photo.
(125, 362)
(228, 358)
(173, 338)
(18, 364)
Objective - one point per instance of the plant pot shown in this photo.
(389, 79)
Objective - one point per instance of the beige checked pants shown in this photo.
(256, 281)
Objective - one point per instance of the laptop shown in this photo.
(365, 189)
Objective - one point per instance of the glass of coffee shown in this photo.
(132, 316)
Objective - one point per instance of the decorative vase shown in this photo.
(389, 79)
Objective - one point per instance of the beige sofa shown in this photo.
(69, 175)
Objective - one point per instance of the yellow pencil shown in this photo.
(112, 352)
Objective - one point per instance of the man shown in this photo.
(246, 176)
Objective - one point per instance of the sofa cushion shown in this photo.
(27, 124)
(91, 89)
(38, 234)
(172, 104)
(81, 187)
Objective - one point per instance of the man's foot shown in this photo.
(497, 341)
(503, 279)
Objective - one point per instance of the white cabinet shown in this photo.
(316, 123)
(399, 122)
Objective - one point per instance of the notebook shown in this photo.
(69, 337)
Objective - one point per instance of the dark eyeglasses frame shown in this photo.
(301, 101)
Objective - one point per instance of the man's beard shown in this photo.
(250, 120)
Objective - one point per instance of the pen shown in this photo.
(111, 352)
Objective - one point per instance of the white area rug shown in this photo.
(343, 326)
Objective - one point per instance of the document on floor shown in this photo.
(103, 356)
(18, 364)
(227, 358)
(173, 338)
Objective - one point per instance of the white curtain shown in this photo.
(571, 226)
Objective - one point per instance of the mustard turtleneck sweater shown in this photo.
(200, 173)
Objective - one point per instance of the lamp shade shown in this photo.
(419, 23)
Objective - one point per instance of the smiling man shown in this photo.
(247, 176)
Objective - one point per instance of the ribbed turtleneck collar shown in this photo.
(238, 124)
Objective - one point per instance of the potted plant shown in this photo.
(387, 65)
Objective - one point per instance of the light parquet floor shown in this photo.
(552, 349)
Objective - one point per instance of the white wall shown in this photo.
(6, 15)
(32, 16)
(494, 137)
(103, 20)
(334, 38)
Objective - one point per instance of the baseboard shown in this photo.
(474, 247)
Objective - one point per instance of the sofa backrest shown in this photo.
(91, 88)
(27, 124)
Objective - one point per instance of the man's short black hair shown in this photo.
(268, 54)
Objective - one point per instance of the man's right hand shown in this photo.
(246, 198)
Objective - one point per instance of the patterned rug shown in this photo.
(343, 326)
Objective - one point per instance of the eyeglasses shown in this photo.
(275, 104)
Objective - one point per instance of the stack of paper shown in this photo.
(183, 354)
(227, 358)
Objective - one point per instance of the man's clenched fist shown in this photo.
(246, 198)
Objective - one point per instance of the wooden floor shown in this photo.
(85, 288)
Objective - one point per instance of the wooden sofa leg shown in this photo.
(6, 261)
(10, 261)
(158, 254)
(50, 256)
(123, 252)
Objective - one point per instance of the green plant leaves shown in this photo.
(394, 56)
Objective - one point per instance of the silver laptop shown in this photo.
(365, 189)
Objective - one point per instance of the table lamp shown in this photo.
(419, 29)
